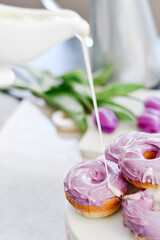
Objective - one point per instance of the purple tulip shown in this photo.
(149, 121)
(108, 119)
(153, 102)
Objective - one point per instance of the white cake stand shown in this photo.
(109, 228)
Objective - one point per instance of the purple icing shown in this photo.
(115, 148)
(140, 217)
(132, 162)
(87, 184)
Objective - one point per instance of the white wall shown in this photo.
(23, 3)
(82, 6)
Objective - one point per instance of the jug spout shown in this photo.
(69, 24)
(80, 26)
(84, 28)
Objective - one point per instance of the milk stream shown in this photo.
(114, 190)
(90, 79)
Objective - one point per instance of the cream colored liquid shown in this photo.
(114, 190)
(90, 79)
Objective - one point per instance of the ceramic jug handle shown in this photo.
(50, 4)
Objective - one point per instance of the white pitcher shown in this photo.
(28, 33)
(124, 34)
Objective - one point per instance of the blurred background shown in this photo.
(124, 34)
(34, 156)
(82, 7)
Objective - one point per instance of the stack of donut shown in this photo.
(132, 157)
(138, 157)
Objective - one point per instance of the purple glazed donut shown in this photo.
(86, 188)
(141, 214)
(140, 161)
(115, 148)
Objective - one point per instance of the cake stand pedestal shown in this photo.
(109, 228)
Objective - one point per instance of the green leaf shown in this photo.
(124, 117)
(69, 105)
(70, 93)
(122, 113)
(117, 89)
(77, 75)
(82, 93)
(102, 76)
(22, 87)
(58, 89)
(40, 74)
(44, 79)
(80, 89)
(62, 98)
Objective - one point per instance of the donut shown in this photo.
(140, 161)
(86, 188)
(141, 214)
(116, 146)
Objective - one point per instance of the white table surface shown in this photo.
(109, 228)
(34, 160)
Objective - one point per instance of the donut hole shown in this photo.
(150, 155)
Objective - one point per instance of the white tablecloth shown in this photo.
(34, 160)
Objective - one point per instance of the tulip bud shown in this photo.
(153, 102)
(149, 121)
(108, 119)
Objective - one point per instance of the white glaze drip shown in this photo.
(114, 190)
(155, 193)
(90, 79)
(148, 173)
(156, 197)
(135, 196)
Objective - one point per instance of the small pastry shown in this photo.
(140, 161)
(87, 189)
(141, 213)
(115, 147)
